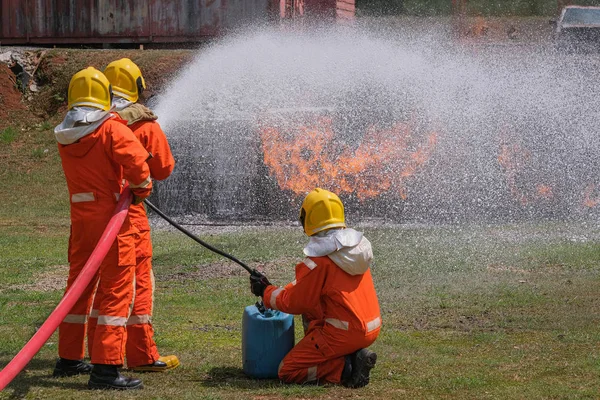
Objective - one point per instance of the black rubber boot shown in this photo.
(362, 362)
(66, 367)
(156, 366)
(164, 363)
(347, 371)
(108, 377)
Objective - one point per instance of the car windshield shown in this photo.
(581, 16)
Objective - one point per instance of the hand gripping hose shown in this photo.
(197, 239)
(68, 301)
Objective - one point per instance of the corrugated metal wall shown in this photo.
(345, 9)
(123, 21)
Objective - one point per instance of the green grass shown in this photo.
(8, 135)
(487, 312)
(466, 314)
(470, 312)
(34, 192)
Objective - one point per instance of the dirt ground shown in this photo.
(54, 72)
(49, 279)
(10, 97)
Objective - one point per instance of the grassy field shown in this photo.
(470, 312)
(487, 312)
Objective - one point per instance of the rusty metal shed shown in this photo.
(149, 21)
(124, 21)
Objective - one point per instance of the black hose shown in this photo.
(197, 239)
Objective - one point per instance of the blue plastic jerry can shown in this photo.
(266, 339)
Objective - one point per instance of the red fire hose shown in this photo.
(68, 301)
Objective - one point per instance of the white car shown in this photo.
(578, 29)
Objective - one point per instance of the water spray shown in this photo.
(90, 269)
(200, 241)
(418, 127)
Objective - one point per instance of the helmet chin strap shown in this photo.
(140, 85)
(302, 218)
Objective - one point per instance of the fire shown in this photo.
(309, 156)
(479, 28)
(591, 199)
(544, 191)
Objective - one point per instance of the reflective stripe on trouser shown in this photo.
(71, 332)
(141, 347)
(95, 319)
(92, 323)
(320, 355)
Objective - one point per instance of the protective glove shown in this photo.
(258, 283)
(139, 194)
(137, 199)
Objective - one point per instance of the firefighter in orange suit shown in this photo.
(334, 292)
(127, 86)
(98, 154)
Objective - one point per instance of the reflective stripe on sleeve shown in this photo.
(309, 263)
(294, 282)
(82, 197)
(144, 184)
(273, 299)
(139, 319)
(312, 374)
(94, 313)
(337, 323)
(75, 319)
(112, 321)
(372, 325)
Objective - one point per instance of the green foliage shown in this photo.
(427, 7)
(8, 135)
(39, 153)
(474, 7)
(512, 7)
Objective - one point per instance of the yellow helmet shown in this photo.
(321, 210)
(126, 79)
(89, 87)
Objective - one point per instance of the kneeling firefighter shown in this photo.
(334, 292)
(98, 153)
(127, 86)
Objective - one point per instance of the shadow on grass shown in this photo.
(37, 374)
(235, 377)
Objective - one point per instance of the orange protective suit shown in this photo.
(342, 308)
(95, 167)
(141, 347)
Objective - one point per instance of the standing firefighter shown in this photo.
(334, 292)
(127, 85)
(98, 153)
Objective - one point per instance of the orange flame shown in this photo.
(479, 28)
(310, 156)
(544, 191)
(589, 200)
